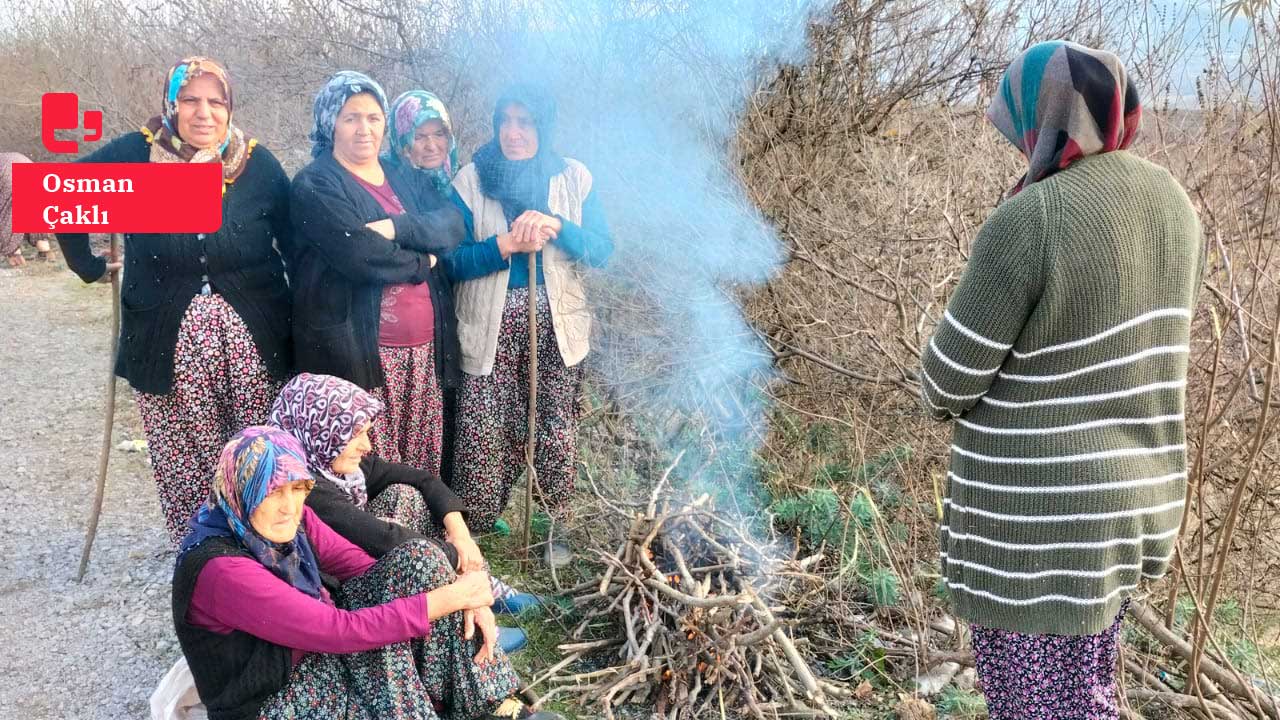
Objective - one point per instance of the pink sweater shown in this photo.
(237, 593)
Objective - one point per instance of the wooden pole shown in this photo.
(531, 474)
(109, 416)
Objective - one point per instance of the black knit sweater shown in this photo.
(339, 267)
(164, 271)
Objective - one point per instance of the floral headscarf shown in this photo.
(323, 413)
(1059, 102)
(257, 461)
(162, 130)
(329, 101)
(408, 112)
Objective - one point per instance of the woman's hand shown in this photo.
(510, 243)
(533, 225)
(469, 556)
(470, 591)
(473, 590)
(16, 259)
(481, 618)
(112, 268)
(384, 227)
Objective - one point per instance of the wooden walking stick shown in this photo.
(110, 415)
(531, 474)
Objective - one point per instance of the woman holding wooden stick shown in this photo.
(518, 196)
(1062, 357)
(204, 337)
(420, 135)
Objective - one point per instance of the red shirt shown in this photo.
(408, 319)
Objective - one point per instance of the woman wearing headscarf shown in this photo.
(421, 136)
(519, 196)
(332, 420)
(1062, 359)
(11, 242)
(374, 307)
(204, 333)
(264, 638)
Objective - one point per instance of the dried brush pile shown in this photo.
(705, 618)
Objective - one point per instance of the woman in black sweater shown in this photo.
(372, 305)
(204, 336)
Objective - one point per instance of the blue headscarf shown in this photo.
(253, 464)
(329, 101)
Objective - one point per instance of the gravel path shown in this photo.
(97, 649)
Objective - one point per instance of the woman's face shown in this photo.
(357, 132)
(430, 146)
(202, 112)
(517, 135)
(278, 515)
(349, 461)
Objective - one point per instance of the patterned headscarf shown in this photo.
(162, 130)
(408, 112)
(9, 240)
(1059, 102)
(257, 461)
(324, 413)
(521, 185)
(329, 101)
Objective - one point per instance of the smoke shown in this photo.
(650, 97)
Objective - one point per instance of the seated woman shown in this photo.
(264, 639)
(11, 242)
(331, 418)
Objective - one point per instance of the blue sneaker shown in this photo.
(512, 640)
(509, 601)
(515, 604)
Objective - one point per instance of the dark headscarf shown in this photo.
(329, 101)
(1059, 102)
(253, 464)
(521, 185)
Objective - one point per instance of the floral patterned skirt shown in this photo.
(1048, 677)
(424, 679)
(220, 386)
(493, 419)
(411, 429)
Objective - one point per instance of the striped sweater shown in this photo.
(1062, 356)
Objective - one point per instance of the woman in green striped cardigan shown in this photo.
(1062, 359)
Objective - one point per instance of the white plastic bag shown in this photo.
(176, 697)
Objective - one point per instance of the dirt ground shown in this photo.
(73, 650)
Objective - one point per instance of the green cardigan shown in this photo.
(1062, 357)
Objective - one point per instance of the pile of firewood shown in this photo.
(691, 606)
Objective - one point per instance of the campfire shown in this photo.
(691, 601)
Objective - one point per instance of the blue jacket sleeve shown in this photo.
(472, 259)
(588, 243)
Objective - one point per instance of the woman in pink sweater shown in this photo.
(265, 640)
